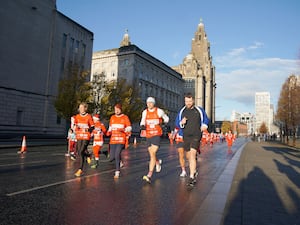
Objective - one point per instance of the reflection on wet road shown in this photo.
(39, 187)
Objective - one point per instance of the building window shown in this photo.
(76, 47)
(71, 44)
(71, 49)
(20, 116)
(83, 49)
(58, 120)
(62, 64)
(64, 40)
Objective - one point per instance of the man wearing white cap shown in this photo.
(151, 121)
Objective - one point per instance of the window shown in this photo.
(83, 49)
(64, 40)
(76, 47)
(71, 44)
(58, 120)
(20, 116)
(71, 49)
(62, 64)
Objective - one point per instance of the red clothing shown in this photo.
(229, 139)
(117, 125)
(205, 137)
(178, 137)
(153, 122)
(82, 124)
(98, 133)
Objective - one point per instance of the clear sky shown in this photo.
(255, 44)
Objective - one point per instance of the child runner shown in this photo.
(97, 133)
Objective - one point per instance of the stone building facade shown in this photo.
(37, 43)
(140, 68)
(245, 118)
(198, 72)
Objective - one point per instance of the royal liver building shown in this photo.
(198, 72)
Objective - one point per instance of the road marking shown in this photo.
(16, 164)
(56, 183)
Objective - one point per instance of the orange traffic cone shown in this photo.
(23, 148)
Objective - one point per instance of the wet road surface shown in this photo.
(39, 187)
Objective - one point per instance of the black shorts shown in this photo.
(155, 140)
(179, 144)
(191, 142)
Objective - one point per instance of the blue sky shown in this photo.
(255, 44)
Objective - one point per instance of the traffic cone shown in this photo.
(23, 148)
(134, 141)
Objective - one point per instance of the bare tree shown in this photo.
(226, 126)
(121, 92)
(73, 88)
(288, 110)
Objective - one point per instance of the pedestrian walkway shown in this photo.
(266, 186)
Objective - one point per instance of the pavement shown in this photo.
(259, 186)
(265, 189)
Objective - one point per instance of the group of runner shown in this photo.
(190, 123)
(86, 126)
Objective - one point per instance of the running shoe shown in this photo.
(79, 173)
(88, 159)
(73, 157)
(191, 182)
(196, 174)
(147, 179)
(95, 165)
(183, 174)
(158, 166)
(117, 174)
(121, 164)
(106, 154)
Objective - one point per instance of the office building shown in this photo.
(37, 44)
(153, 77)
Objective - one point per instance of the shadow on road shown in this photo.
(265, 188)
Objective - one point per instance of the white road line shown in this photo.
(17, 164)
(56, 183)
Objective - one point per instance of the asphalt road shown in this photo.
(39, 187)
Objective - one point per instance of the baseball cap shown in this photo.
(150, 99)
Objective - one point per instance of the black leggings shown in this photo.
(81, 148)
(115, 154)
